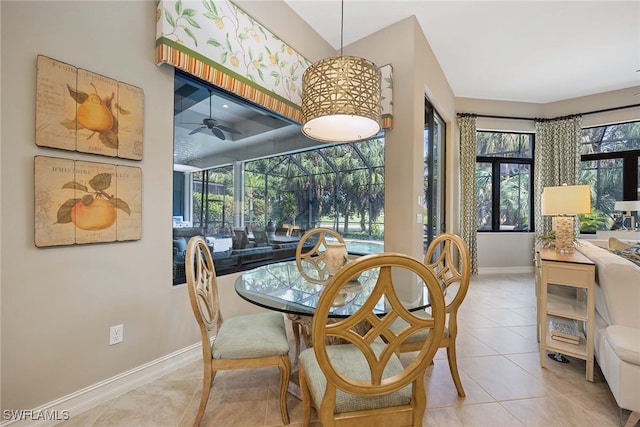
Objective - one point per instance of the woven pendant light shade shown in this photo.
(341, 100)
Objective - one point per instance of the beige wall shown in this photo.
(58, 303)
(416, 72)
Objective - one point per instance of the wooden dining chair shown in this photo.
(312, 267)
(363, 382)
(310, 253)
(248, 341)
(448, 257)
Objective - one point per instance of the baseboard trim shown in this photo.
(505, 270)
(82, 400)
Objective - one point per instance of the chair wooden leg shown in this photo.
(420, 397)
(296, 336)
(453, 367)
(306, 398)
(285, 373)
(207, 381)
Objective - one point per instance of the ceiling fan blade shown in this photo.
(228, 129)
(217, 132)
(197, 130)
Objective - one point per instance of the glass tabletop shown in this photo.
(282, 287)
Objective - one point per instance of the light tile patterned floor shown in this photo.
(498, 361)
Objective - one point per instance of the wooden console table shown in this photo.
(565, 292)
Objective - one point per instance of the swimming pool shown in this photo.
(364, 247)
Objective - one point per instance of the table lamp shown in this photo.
(564, 202)
(628, 206)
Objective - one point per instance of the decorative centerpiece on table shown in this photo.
(335, 256)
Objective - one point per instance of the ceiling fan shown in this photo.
(212, 124)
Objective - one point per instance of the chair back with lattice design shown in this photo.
(310, 253)
(203, 290)
(379, 344)
(448, 257)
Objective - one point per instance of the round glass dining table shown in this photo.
(283, 287)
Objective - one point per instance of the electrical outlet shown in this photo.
(116, 334)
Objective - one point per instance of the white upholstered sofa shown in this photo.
(617, 324)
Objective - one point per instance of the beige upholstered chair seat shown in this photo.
(256, 335)
(347, 359)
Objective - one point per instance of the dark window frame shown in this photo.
(630, 160)
(496, 162)
(604, 144)
(431, 230)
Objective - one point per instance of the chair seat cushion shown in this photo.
(252, 335)
(347, 359)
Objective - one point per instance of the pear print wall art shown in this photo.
(80, 110)
(78, 202)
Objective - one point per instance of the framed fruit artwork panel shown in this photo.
(51, 175)
(93, 203)
(96, 121)
(55, 109)
(128, 189)
(79, 110)
(130, 121)
(78, 202)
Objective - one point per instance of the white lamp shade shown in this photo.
(341, 127)
(627, 206)
(566, 200)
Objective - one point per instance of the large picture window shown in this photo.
(504, 167)
(243, 176)
(610, 165)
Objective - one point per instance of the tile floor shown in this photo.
(498, 361)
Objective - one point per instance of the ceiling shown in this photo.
(213, 129)
(526, 51)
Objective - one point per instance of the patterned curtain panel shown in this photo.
(220, 43)
(557, 160)
(468, 201)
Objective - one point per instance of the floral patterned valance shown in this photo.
(218, 42)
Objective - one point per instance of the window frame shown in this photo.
(630, 165)
(496, 163)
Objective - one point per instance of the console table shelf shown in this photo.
(565, 291)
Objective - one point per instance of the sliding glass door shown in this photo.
(434, 173)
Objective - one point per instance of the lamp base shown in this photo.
(632, 223)
(563, 226)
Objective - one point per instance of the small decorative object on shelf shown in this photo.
(546, 240)
(565, 332)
